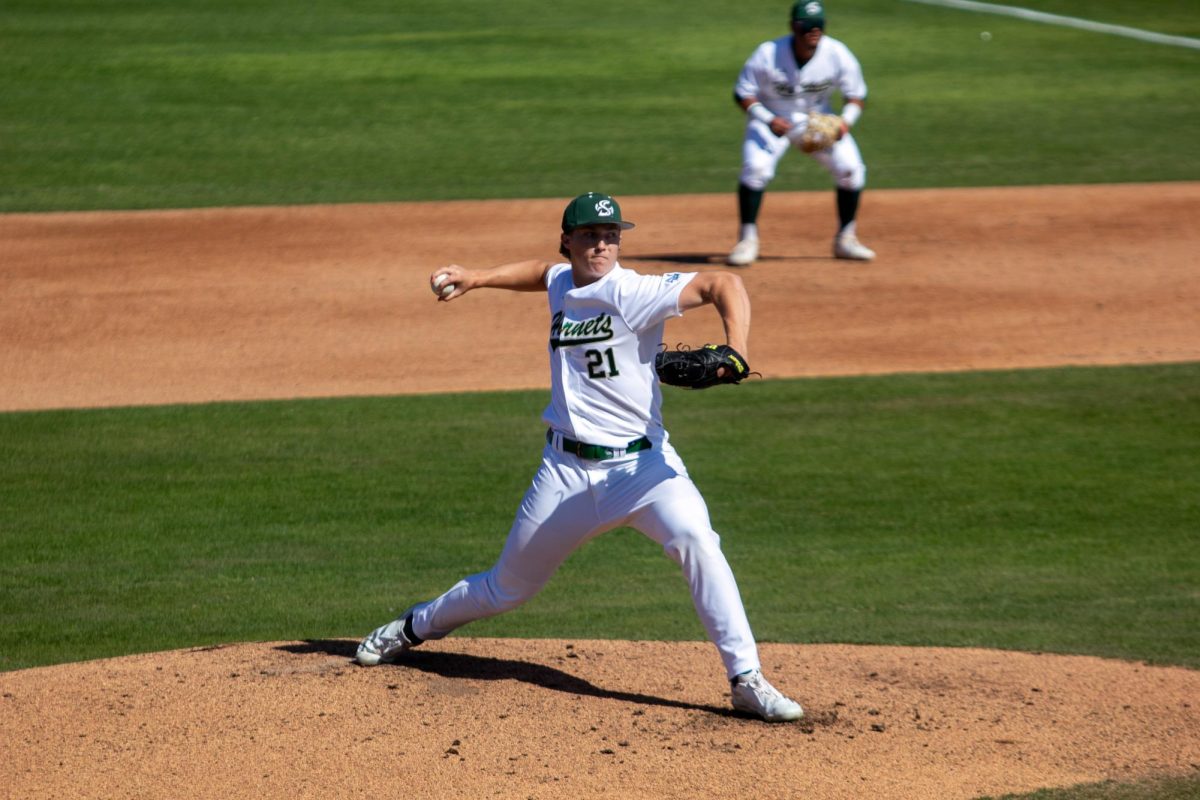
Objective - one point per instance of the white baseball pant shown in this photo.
(573, 500)
(761, 151)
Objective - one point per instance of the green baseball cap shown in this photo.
(809, 11)
(593, 208)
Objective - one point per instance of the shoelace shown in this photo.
(384, 644)
(759, 684)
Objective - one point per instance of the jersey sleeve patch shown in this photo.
(655, 298)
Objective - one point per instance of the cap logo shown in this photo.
(604, 208)
(812, 9)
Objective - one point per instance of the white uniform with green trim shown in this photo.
(788, 89)
(603, 339)
(604, 391)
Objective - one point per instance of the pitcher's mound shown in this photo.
(552, 718)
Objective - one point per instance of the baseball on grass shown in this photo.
(985, 36)
(437, 285)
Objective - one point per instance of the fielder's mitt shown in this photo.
(819, 132)
(698, 369)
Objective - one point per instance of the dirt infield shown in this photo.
(177, 306)
(163, 307)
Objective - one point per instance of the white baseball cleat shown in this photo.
(848, 246)
(744, 253)
(752, 694)
(386, 643)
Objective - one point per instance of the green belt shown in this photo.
(597, 453)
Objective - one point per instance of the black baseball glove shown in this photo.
(701, 368)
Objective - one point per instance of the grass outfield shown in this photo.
(1164, 789)
(147, 104)
(1050, 510)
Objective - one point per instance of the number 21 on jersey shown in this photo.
(601, 364)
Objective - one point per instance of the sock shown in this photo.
(847, 206)
(733, 680)
(408, 632)
(749, 202)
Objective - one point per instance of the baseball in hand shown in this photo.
(437, 285)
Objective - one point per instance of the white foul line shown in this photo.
(1069, 22)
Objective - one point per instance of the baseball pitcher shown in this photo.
(607, 461)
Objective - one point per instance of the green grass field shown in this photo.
(1164, 789)
(199, 103)
(1053, 510)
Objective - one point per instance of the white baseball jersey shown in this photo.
(772, 75)
(603, 339)
(604, 391)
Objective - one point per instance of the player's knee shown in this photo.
(755, 177)
(506, 591)
(691, 545)
(852, 178)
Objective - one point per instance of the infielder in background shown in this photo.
(607, 461)
(783, 82)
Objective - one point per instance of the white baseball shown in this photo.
(985, 36)
(437, 284)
